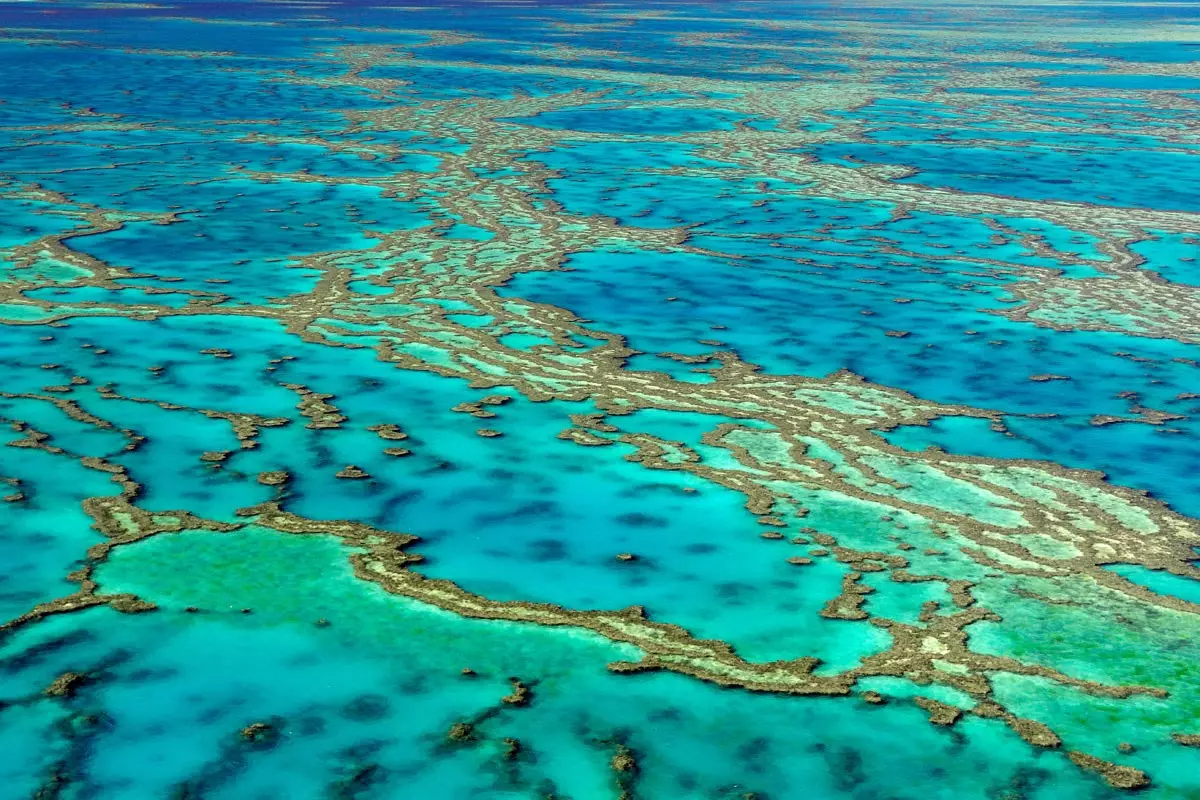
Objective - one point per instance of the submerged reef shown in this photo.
(571, 400)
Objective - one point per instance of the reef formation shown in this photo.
(590, 401)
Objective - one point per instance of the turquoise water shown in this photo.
(590, 401)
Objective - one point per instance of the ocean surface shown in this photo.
(599, 400)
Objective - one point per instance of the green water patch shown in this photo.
(472, 320)
(1080, 639)
(370, 289)
(524, 341)
(21, 312)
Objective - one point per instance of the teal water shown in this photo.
(589, 401)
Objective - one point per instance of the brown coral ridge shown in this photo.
(66, 685)
(322, 414)
(352, 472)
(521, 693)
(273, 478)
(388, 432)
(939, 713)
(624, 766)
(1116, 775)
(461, 732)
(259, 733)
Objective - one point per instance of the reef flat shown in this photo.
(576, 400)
